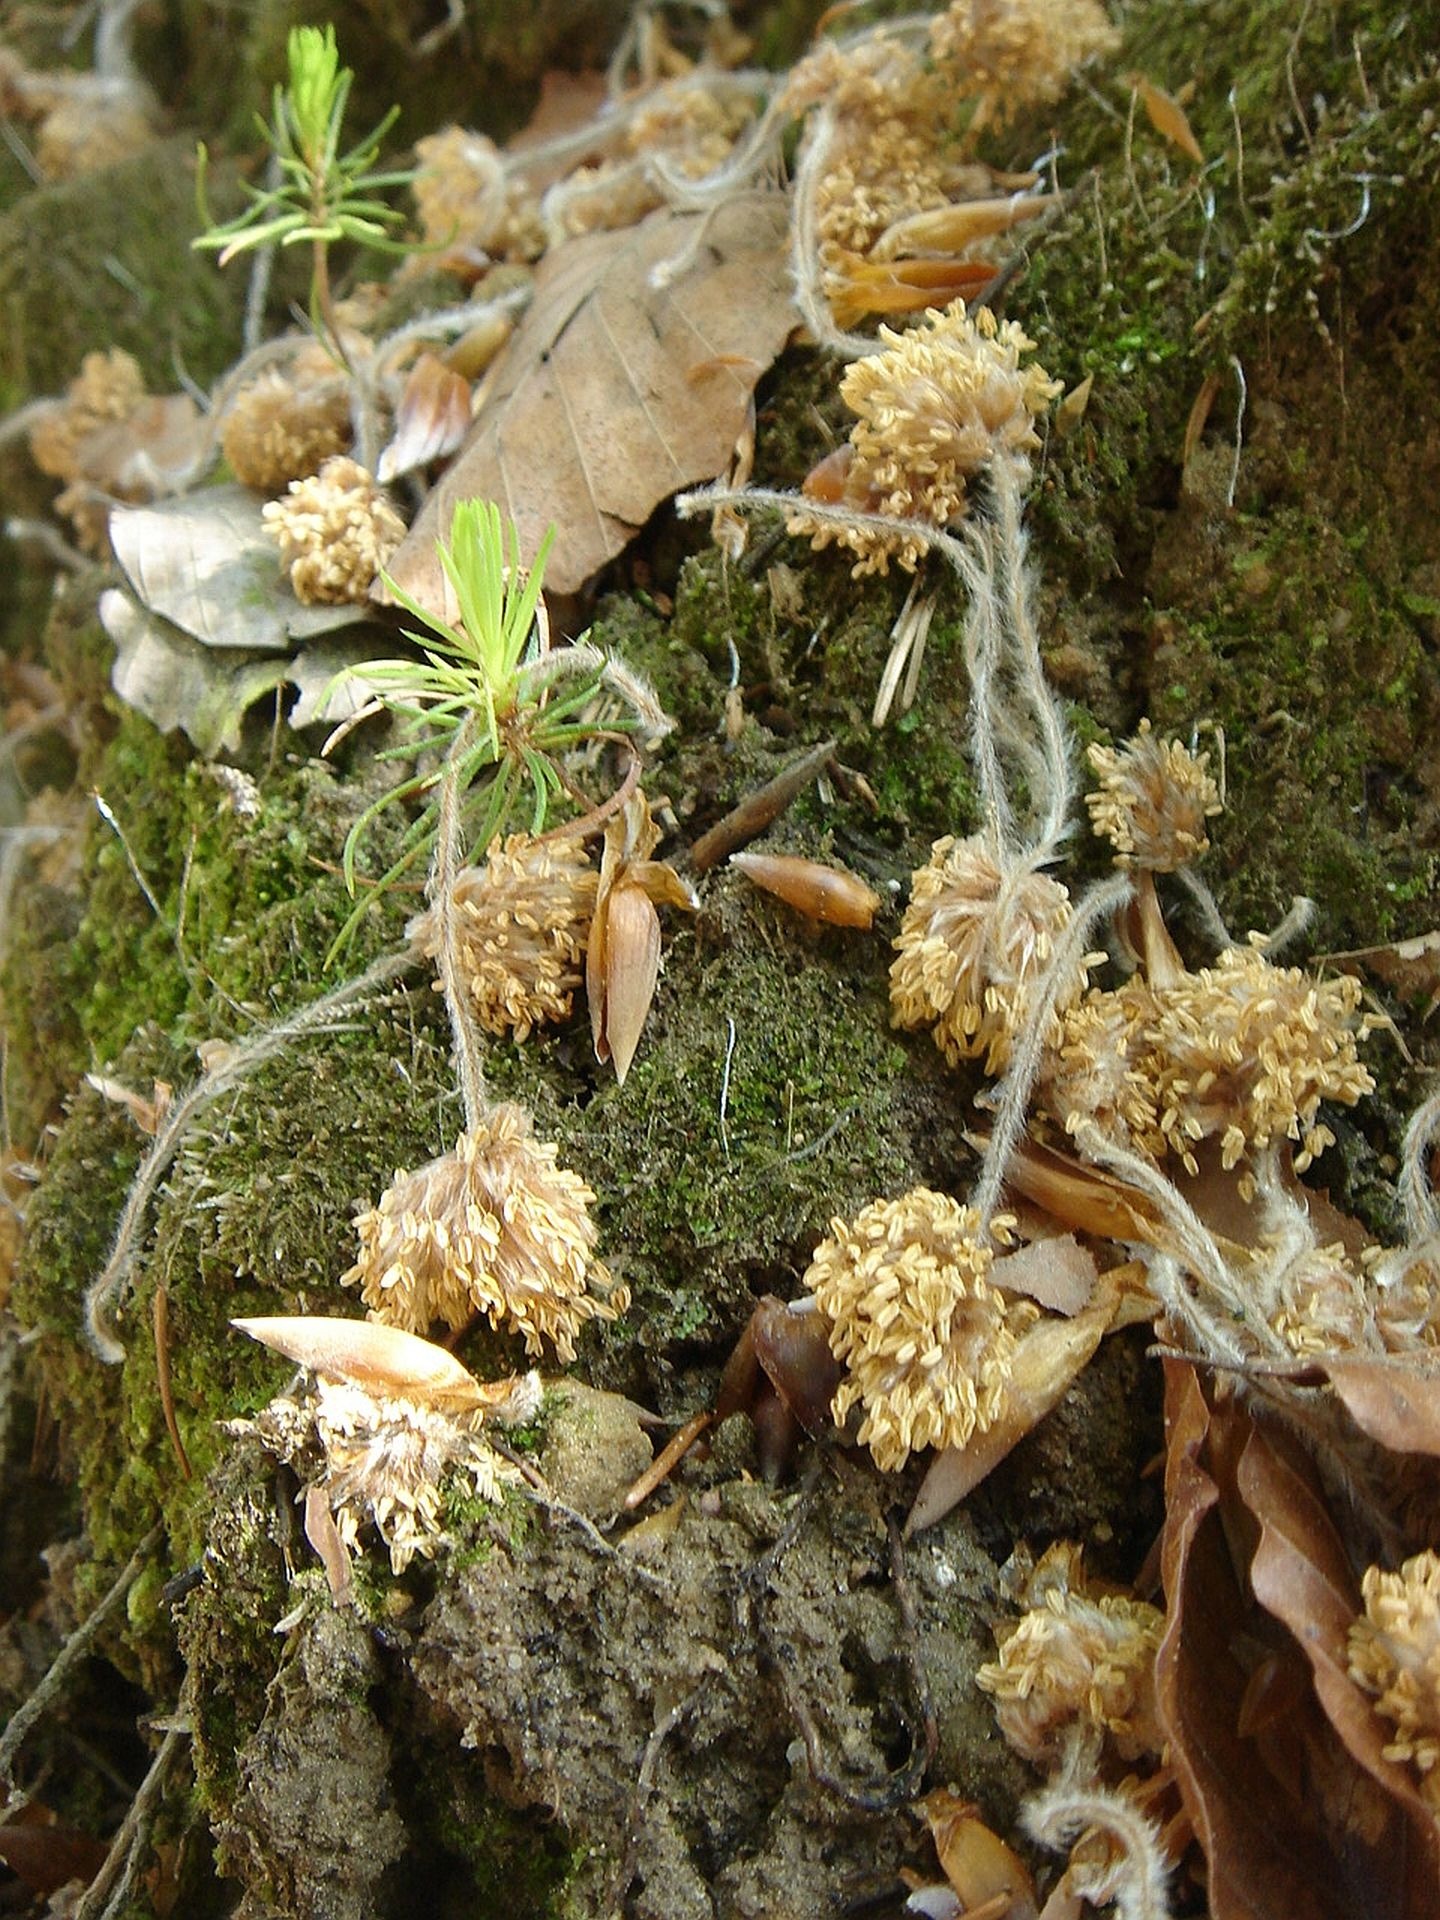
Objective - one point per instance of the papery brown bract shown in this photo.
(820, 892)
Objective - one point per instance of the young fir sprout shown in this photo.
(321, 195)
(484, 697)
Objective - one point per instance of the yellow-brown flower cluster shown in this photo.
(1243, 1051)
(1096, 1074)
(685, 127)
(928, 1341)
(496, 1227)
(335, 532)
(1014, 54)
(107, 391)
(1154, 799)
(386, 1458)
(521, 923)
(1247, 1051)
(1076, 1656)
(886, 160)
(937, 406)
(1395, 1656)
(469, 203)
(972, 946)
(280, 429)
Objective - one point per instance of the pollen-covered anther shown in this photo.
(1076, 1656)
(1395, 1656)
(1246, 1051)
(971, 947)
(278, 430)
(928, 1341)
(937, 406)
(496, 1227)
(520, 923)
(335, 532)
(1153, 801)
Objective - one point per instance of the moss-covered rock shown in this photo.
(1235, 537)
(104, 261)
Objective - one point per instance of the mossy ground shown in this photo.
(1279, 586)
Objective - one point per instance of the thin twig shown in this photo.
(668, 1458)
(162, 1376)
(120, 1863)
(73, 1651)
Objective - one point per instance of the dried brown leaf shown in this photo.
(1056, 1272)
(593, 418)
(1411, 968)
(977, 1862)
(1396, 1400)
(1301, 1573)
(1046, 1363)
(1289, 1821)
(47, 1855)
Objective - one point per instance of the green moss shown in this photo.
(513, 1860)
(104, 261)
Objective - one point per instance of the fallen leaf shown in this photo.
(1301, 1574)
(47, 1855)
(207, 691)
(1290, 1823)
(1046, 1363)
(161, 672)
(1056, 1272)
(1410, 967)
(206, 564)
(593, 418)
(976, 1861)
(1396, 1400)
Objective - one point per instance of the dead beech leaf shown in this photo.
(1396, 1400)
(1056, 1272)
(1301, 1573)
(431, 421)
(593, 418)
(1167, 116)
(45, 1854)
(205, 563)
(1289, 1821)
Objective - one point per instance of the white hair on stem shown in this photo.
(1195, 1252)
(1417, 1194)
(1057, 761)
(810, 169)
(104, 1294)
(1076, 1803)
(1013, 1094)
